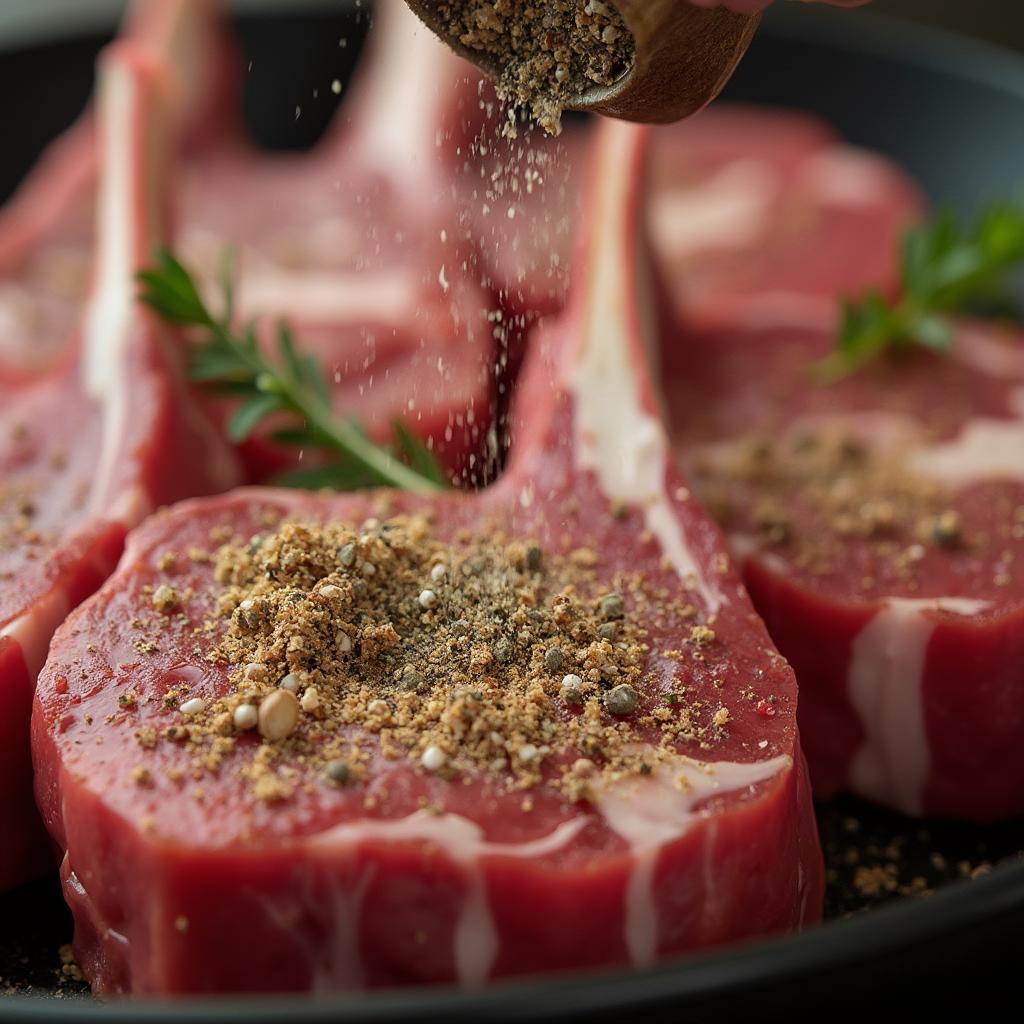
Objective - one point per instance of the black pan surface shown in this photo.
(927, 915)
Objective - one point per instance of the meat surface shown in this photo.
(95, 444)
(186, 880)
(880, 523)
(356, 245)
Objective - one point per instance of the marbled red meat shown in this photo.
(880, 524)
(337, 888)
(95, 444)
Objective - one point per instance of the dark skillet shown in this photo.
(953, 114)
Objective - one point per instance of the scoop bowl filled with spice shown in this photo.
(640, 60)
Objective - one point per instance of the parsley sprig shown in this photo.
(230, 361)
(945, 268)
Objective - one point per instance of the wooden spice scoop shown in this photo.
(684, 56)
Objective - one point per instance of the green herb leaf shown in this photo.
(227, 286)
(338, 476)
(211, 365)
(934, 332)
(945, 269)
(230, 361)
(169, 290)
(289, 357)
(248, 416)
(297, 436)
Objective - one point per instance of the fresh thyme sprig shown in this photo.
(945, 269)
(230, 360)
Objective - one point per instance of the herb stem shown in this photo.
(348, 439)
(232, 361)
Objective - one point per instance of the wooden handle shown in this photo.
(684, 57)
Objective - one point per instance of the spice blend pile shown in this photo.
(549, 53)
(483, 656)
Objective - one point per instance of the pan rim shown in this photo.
(835, 944)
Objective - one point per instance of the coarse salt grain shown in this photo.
(330, 591)
(527, 753)
(433, 758)
(368, 569)
(427, 599)
(195, 706)
(344, 643)
(290, 683)
(310, 699)
(438, 573)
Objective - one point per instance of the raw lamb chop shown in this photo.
(356, 246)
(356, 851)
(880, 522)
(89, 449)
(46, 229)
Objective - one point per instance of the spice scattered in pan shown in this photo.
(874, 856)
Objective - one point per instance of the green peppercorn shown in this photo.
(621, 700)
